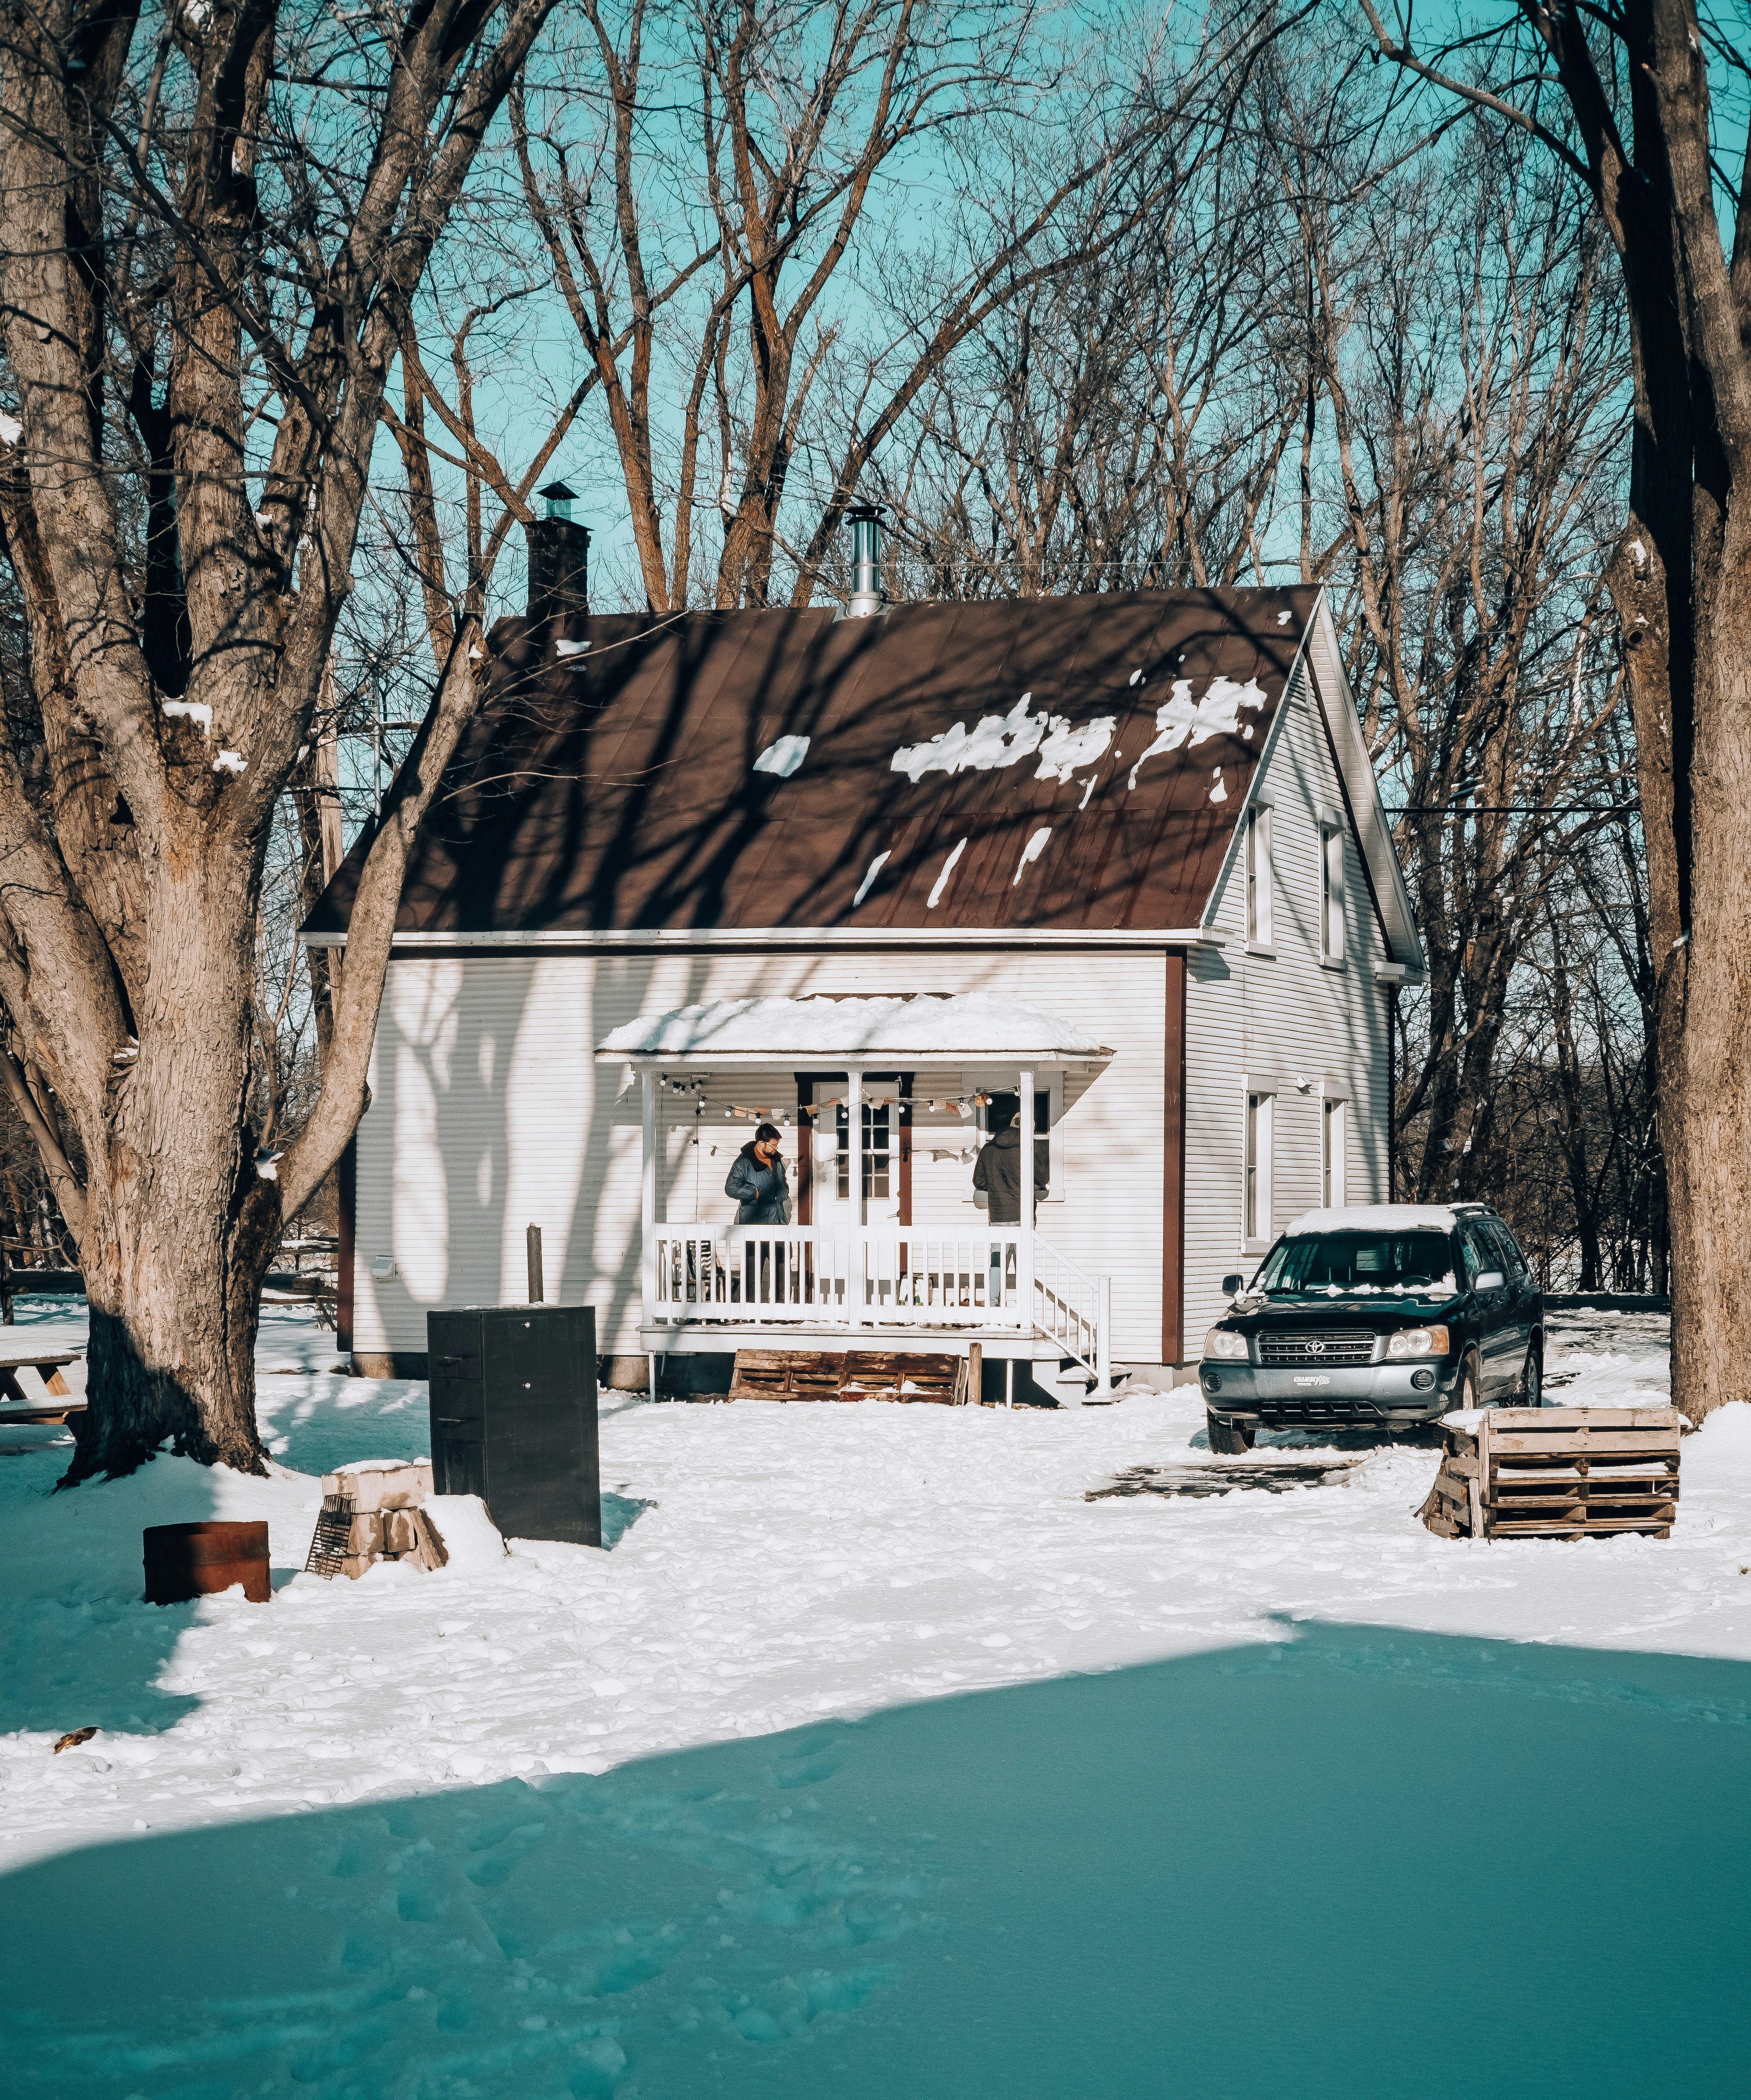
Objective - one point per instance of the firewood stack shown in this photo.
(373, 1511)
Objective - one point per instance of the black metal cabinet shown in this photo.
(513, 1416)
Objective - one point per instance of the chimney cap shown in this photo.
(859, 511)
(559, 491)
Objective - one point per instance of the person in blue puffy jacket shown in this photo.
(757, 1181)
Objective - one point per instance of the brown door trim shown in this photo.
(1173, 1164)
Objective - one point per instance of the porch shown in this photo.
(854, 1282)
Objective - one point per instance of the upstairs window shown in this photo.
(1257, 869)
(1331, 892)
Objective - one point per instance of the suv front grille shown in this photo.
(1344, 1346)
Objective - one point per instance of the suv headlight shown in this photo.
(1224, 1343)
(1417, 1342)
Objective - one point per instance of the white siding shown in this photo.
(1281, 1022)
(490, 1112)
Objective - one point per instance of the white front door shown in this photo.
(841, 1195)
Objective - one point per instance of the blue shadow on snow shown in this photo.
(1359, 1862)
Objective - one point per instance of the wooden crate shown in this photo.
(857, 1375)
(787, 1374)
(1558, 1472)
(894, 1375)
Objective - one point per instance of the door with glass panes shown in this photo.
(859, 1184)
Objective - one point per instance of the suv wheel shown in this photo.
(1229, 1437)
(1470, 1393)
(1533, 1379)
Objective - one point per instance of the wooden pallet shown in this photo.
(857, 1375)
(1558, 1472)
(895, 1375)
(786, 1375)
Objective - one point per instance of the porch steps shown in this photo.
(788, 1374)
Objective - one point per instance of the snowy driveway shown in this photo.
(1231, 1782)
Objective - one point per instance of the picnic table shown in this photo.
(46, 1364)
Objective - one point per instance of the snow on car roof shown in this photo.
(1375, 1218)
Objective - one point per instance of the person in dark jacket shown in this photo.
(757, 1181)
(997, 1171)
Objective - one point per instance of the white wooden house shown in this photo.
(1120, 858)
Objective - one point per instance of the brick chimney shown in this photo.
(559, 557)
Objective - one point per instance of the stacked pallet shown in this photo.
(857, 1375)
(1557, 1472)
(374, 1512)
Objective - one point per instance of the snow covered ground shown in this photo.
(874, 1757)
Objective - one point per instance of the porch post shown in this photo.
(647, 1205)
(1024, 1261)
(857, 1280)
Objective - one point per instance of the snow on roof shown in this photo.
(1375, 1218)
(973, 1024)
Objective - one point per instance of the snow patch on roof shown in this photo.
(1032, 851)
(1218, 793)
(1374, 1218)
(562, 647)
(870, 873)
(999, 740)
(959, 1024)
(1182, 719)
(783, 757)
(941, 883)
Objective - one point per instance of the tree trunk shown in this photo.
(180, 1222)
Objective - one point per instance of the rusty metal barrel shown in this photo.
(188, 1560)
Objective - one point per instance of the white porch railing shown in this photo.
(852, 1277)
(843, 1276)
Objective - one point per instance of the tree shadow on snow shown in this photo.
(1354, 1862)
(79, 1646)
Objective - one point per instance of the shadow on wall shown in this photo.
(1359, 1863)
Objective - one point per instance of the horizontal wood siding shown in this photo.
(1269, 1022)
(490, 1112)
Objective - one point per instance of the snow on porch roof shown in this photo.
(925, 1024)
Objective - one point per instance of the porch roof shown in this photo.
(932, 1027)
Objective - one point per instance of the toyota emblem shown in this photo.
(1315, 1348)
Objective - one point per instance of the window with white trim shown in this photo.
(1331, 892)
(1255, 1170)
(1332, 1125)
(1256, 865)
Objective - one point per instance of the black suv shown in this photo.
(1383, 1316)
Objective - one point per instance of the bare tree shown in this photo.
(1620, 98)
(210, 245)
(1472, 367)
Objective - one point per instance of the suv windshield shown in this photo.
(1418, 1263)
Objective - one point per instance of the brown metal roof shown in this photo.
(617, 789)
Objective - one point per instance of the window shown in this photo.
(1331, 892)
(1002, 1109)
(1257, 875)
(1512, 1261)
(1255, 1202)
(1415, 1264)
(1331, 1154)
